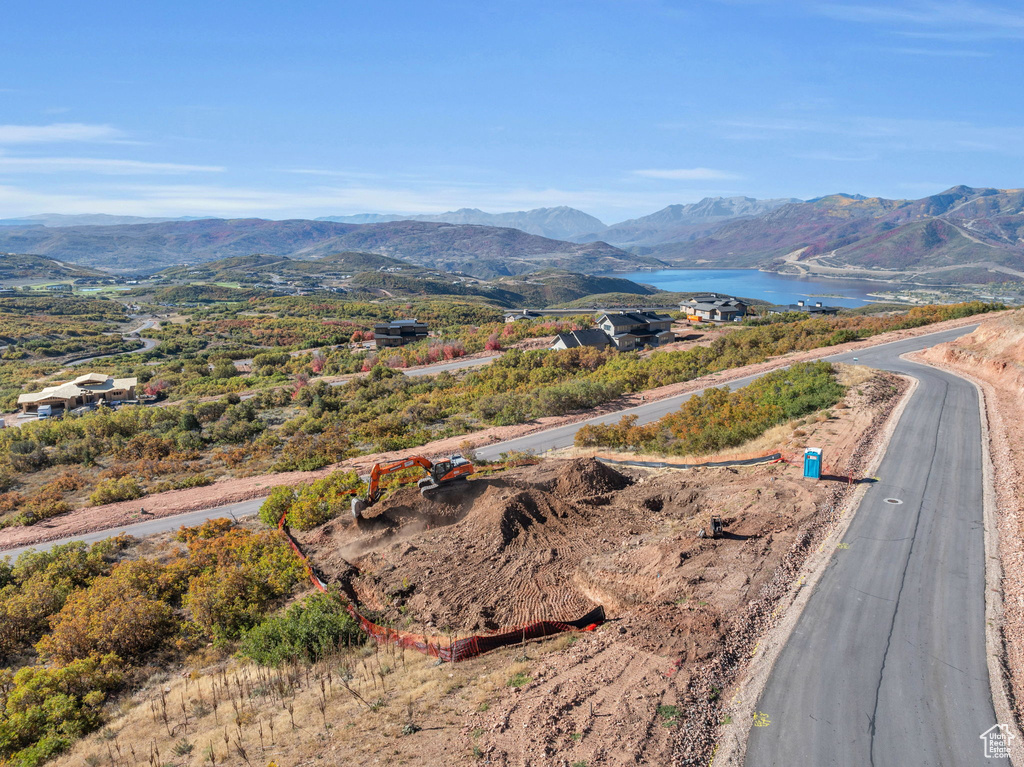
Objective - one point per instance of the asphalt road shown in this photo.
(550, 439)
(147, 344)
(881, 356)
(887, 663)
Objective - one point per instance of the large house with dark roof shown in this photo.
(632, 330)
(714, 307)
(591, 337)
(398, 332)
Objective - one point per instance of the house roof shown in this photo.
(591, 337)
(807, 308)
(89, 383)
(624, 319)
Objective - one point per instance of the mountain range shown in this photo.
(481, 251)
(964, 234)
(682, 222)
(562, 223)
(565, 223)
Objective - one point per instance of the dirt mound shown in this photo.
(585, 477)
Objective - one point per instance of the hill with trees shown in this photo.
(483, 251)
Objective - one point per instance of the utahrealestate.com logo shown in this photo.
(997, 741)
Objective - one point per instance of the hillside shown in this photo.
(17, 268)
(682, 222)
(479, 250)
(263, 268)
(538, 289)
(561, 223)
(961, 235)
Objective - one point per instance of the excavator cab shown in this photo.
(443, 472)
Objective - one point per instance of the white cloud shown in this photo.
(57, 132)
(877, 133)
(97, 165)
(959, 19)
(951, 53)
(686, 174)
(238, 202)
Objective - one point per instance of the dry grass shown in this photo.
(853, 375)
(360, 706)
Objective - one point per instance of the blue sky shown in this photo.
(616, 107)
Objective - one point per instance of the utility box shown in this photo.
(812, 462)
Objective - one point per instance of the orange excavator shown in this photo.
(440, 473)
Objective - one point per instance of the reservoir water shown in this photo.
(767, 286)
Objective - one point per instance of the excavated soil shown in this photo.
(556, 540)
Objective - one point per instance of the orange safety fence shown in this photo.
(445, 648)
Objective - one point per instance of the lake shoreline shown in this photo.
(880, 280)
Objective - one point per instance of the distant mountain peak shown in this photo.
(684, 221)
(558, 223)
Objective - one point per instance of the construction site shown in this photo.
(654, 586)
(667, 602)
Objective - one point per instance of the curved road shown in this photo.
(551, 439)
(887, 663)
(147, 344)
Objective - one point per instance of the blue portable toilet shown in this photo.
(812, 462)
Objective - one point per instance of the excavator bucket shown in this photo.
(358, 504)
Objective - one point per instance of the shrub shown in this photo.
(114, 490)
(109, 615)
(278, 502)
(238, 575)
(308, 631)
(323, 500)
(46, 708)
(720, 419)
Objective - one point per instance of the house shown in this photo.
(802, 306)
(398, 333)
(593, 337)
(525, 314)
(631, 330)
(713, 307)
(84, 390)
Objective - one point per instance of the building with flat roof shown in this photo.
(802, 306)
(398, 332)
(87, 389)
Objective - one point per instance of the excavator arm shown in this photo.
(438, 474)
(382, 470)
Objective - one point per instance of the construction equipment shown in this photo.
(717, 529)
(440, 473)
